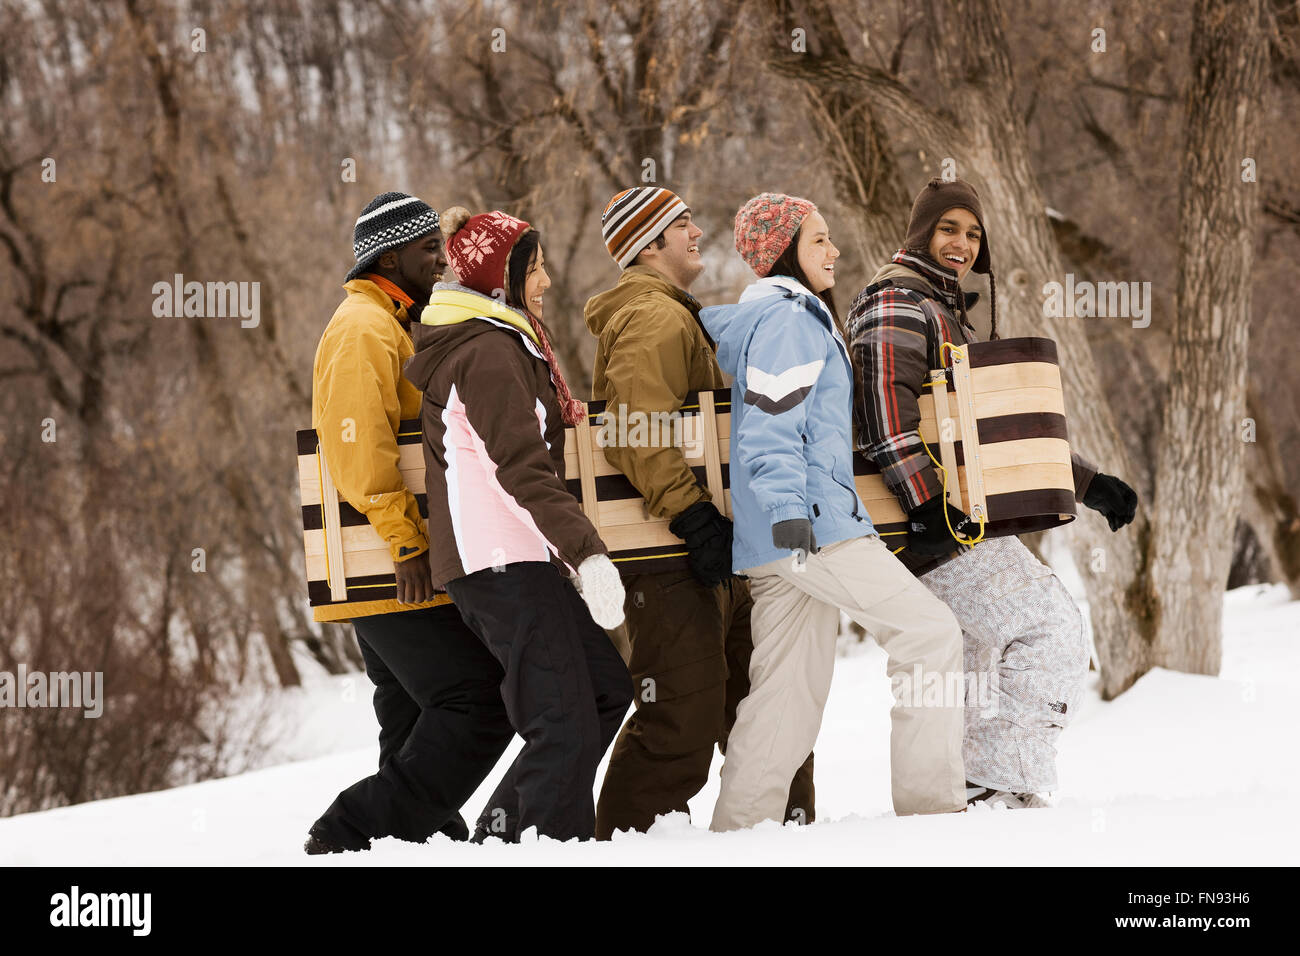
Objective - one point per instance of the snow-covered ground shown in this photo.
(1180, 770)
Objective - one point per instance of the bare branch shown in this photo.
(1131, 90)
(890, 97)
(63, 290)
(1282, 210)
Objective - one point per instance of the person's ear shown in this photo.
(388, 260)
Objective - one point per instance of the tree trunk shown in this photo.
(277, 643)
(1269, 506)
(1199, 473)
(852, 138)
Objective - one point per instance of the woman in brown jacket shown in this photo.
(508, 530)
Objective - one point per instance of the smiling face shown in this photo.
(536, 282)
(415, 266)
(678, 260)
(956, 240)
(816, 253)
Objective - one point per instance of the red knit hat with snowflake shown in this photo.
(764, 227)
(478, 248)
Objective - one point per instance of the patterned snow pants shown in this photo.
(1025, 659)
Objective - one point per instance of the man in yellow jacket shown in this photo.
(442, 725)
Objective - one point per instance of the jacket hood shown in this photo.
(445, 324)
(635, 282)
(731, 325)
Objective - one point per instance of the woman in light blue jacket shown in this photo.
(804, 538)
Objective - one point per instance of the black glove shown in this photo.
(1112, 498)
(927, 531)
(707, 533)
(795, 534)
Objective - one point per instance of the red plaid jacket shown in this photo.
(896, 334)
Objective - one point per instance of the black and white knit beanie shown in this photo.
(388, 221)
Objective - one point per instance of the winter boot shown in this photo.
(317, 844)
(456, 829)
(992, 798)
(1036, 801)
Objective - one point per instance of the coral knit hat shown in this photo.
(478, 247)
(765, 225)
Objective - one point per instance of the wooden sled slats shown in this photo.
(1015, 417)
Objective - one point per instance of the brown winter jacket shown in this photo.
(651, 351)
(493, 441)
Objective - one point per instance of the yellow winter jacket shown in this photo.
(359, 396)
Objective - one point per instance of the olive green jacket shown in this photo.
(651, 352)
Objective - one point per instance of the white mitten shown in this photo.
(602, 589)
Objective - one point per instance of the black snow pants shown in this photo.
(442, 728)
(565, 688)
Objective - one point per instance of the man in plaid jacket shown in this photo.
(1022, 629)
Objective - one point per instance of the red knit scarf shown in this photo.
(571, 410)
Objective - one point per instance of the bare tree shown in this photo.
(857, 144)
(1199, 474)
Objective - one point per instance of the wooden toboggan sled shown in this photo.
(995, 419)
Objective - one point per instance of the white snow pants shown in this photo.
(794, 623)
(1025, 657)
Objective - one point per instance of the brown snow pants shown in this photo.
(691, 647)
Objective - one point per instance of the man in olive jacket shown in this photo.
(689, 629)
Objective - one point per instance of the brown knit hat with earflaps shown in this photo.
(936, 198)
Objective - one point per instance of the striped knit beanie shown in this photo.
(388, 221)
(764, 227)
(635, 217)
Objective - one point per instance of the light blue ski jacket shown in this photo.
(791, 418)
